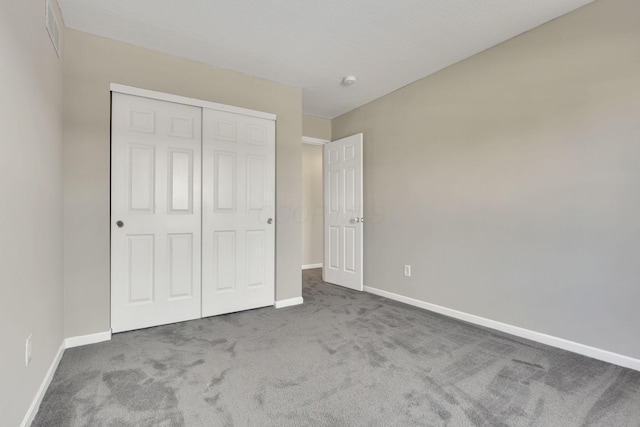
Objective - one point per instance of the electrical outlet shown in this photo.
(407, 270)
(27, 351)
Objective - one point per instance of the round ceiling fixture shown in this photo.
(349, 80)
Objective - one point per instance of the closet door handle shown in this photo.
(120, 224)
(270, 220)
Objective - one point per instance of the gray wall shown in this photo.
(511, 181)
(91, 63)
(31, 207)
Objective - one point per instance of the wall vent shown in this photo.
(52, 27)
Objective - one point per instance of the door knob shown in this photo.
(355, 220)
(269, 221)
(120, 224)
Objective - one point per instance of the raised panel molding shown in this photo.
(349, 152)
(224, 252)
(181, 127)
(142, 121)
(225, 181)
(180, 257)
(142, 166)
(226, 131)
(349, 254)
(180, 183)
(334, 185)
(350, 190)
(334, 156)
(255, 183)
(141, 260)
(256, 135)
(255, 257)
(334, 242)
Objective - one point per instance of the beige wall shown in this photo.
(91, 64)
(316, 127)
(510, 181)
(31, 207)
(311, 204)
(311, 212)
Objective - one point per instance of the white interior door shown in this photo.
(343, 217)
(238, 221)
(155, 212)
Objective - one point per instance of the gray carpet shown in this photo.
(343, 358)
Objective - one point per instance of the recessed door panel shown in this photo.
(349, 249)
(180, 181)
(141, 178)
(181, 127)
(334, 191)
(255, 183)
(142, 121)
(257, 135)
(349, 152)
(350, 192)
(225, 260)
(334, 244)
(256, 242)
(333, 157)
(140, 263)
(180, 265)
(225, 181)
(226, 130)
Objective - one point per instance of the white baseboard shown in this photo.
(289, 302)
(66, 343)
(87, 339)
(310, 266)
(596, 353)
(35, 404)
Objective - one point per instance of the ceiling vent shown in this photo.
(52, 27)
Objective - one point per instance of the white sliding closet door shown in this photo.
(238, 222)
(155, 212)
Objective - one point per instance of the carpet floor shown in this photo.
(344, 358)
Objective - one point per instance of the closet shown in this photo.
(192, 209)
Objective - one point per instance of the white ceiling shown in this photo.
(313, 44)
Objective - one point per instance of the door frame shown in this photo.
(319, 142)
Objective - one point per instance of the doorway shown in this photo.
(332, 214)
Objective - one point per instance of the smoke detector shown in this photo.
(349, 80)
